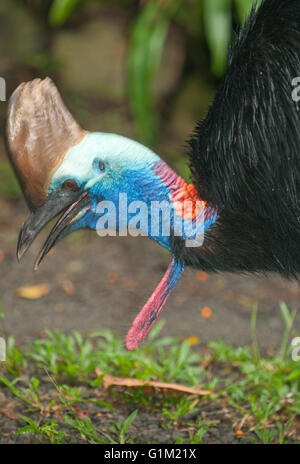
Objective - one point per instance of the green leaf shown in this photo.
(243, 8)
(286, 315)
(25, 429)
(288, 318)
(217, 23)
(147, 41)
(128, 421)
(14, 390)
(60, 11)
(294, 375)
(101, 403)
(253, 321)
(35, 383)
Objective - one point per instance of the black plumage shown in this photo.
(245, 156)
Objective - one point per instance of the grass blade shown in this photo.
(243, 8)
(60, 11)
(148, 37)
(289, 321)
(255, 346)
(217, 24)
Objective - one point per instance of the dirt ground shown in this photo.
(98, 283)
(147, 427)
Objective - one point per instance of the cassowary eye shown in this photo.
(101, 166)
(70, 184)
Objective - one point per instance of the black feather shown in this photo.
(245, 156)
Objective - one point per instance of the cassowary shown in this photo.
(244, 158)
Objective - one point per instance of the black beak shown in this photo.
(70, 201)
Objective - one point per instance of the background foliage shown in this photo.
(148, 34)
(174, 54)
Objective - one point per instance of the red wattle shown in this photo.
(144, 321)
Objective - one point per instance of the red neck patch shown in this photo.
(183, 195)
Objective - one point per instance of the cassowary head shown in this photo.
(95, 180)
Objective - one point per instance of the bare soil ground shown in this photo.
(100, 283)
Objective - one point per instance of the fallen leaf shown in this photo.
(111, 277)
(245, 420)
(206, 312)
(193, 340)
(79, 412)
(32, 292)
(245, 300)
(202, 276)
(68, 287)
(8, 409)
(109, 380)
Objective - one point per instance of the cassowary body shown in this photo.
(246, 154)
(245, 160)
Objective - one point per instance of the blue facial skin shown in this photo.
(108, 165)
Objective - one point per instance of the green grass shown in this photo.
(59, 391)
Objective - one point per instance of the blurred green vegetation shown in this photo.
(9, 186)
(148, 35)
(145, 68)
